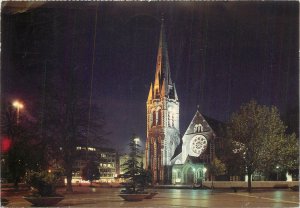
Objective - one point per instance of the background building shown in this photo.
(108, 164)
(106, 159)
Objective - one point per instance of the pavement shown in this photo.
(84, 196)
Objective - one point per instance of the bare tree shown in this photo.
(70, 119)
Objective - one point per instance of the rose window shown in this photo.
(198, 144)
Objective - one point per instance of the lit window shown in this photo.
(159, 117)
(78, 148)
(172, 120)
(91, 149)
(198, 128)
(154, 118)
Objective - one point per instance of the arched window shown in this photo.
(198, 128)
(156, 93)
(199, 173)
(154, 118)
(172, 119)
(159, 117)
(154, 153)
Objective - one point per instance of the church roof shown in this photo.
(177, 150)
(214, 125)
(193, 160)
(198, 119)
(217, 126)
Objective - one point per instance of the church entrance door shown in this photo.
(190, 176)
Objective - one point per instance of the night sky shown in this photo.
(222, 54)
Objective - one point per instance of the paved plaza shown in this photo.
(108, 197)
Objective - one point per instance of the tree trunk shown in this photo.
(69, 180)
(16, 184)
(69, 184)
(249, 181)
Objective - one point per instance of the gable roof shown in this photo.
(198, 119)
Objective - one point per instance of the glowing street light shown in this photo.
(18, 105)
(277, 169)
(204, 173)
(136, 140)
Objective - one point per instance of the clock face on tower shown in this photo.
(198, 144)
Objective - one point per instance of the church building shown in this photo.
(170, 158)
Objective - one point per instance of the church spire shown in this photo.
(162, 74)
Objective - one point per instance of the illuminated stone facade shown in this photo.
(169, 159)
(191, 159)
(162, 118)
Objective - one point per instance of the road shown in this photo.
(108, 197)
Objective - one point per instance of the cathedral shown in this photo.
(170, 158)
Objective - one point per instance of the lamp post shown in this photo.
(204, 173)
(136, 140)
(277, 169)
(18, 105)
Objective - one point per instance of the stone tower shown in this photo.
(162, 117)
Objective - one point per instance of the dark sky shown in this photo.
(222, 54)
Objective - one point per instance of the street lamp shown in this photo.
(277, 168)
(18, 105)
(136, 140)
(204, 173)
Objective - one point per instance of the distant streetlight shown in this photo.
(136, 140)
(277, 169)
(18, 105)
(204, 173)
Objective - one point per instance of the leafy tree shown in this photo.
(131, 166)
(259, 141)
(90, 172)
(216, 168)
(234, 167)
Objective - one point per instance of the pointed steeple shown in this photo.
(175, 92)
(162, 63)
(164, 89)
(150, 95)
